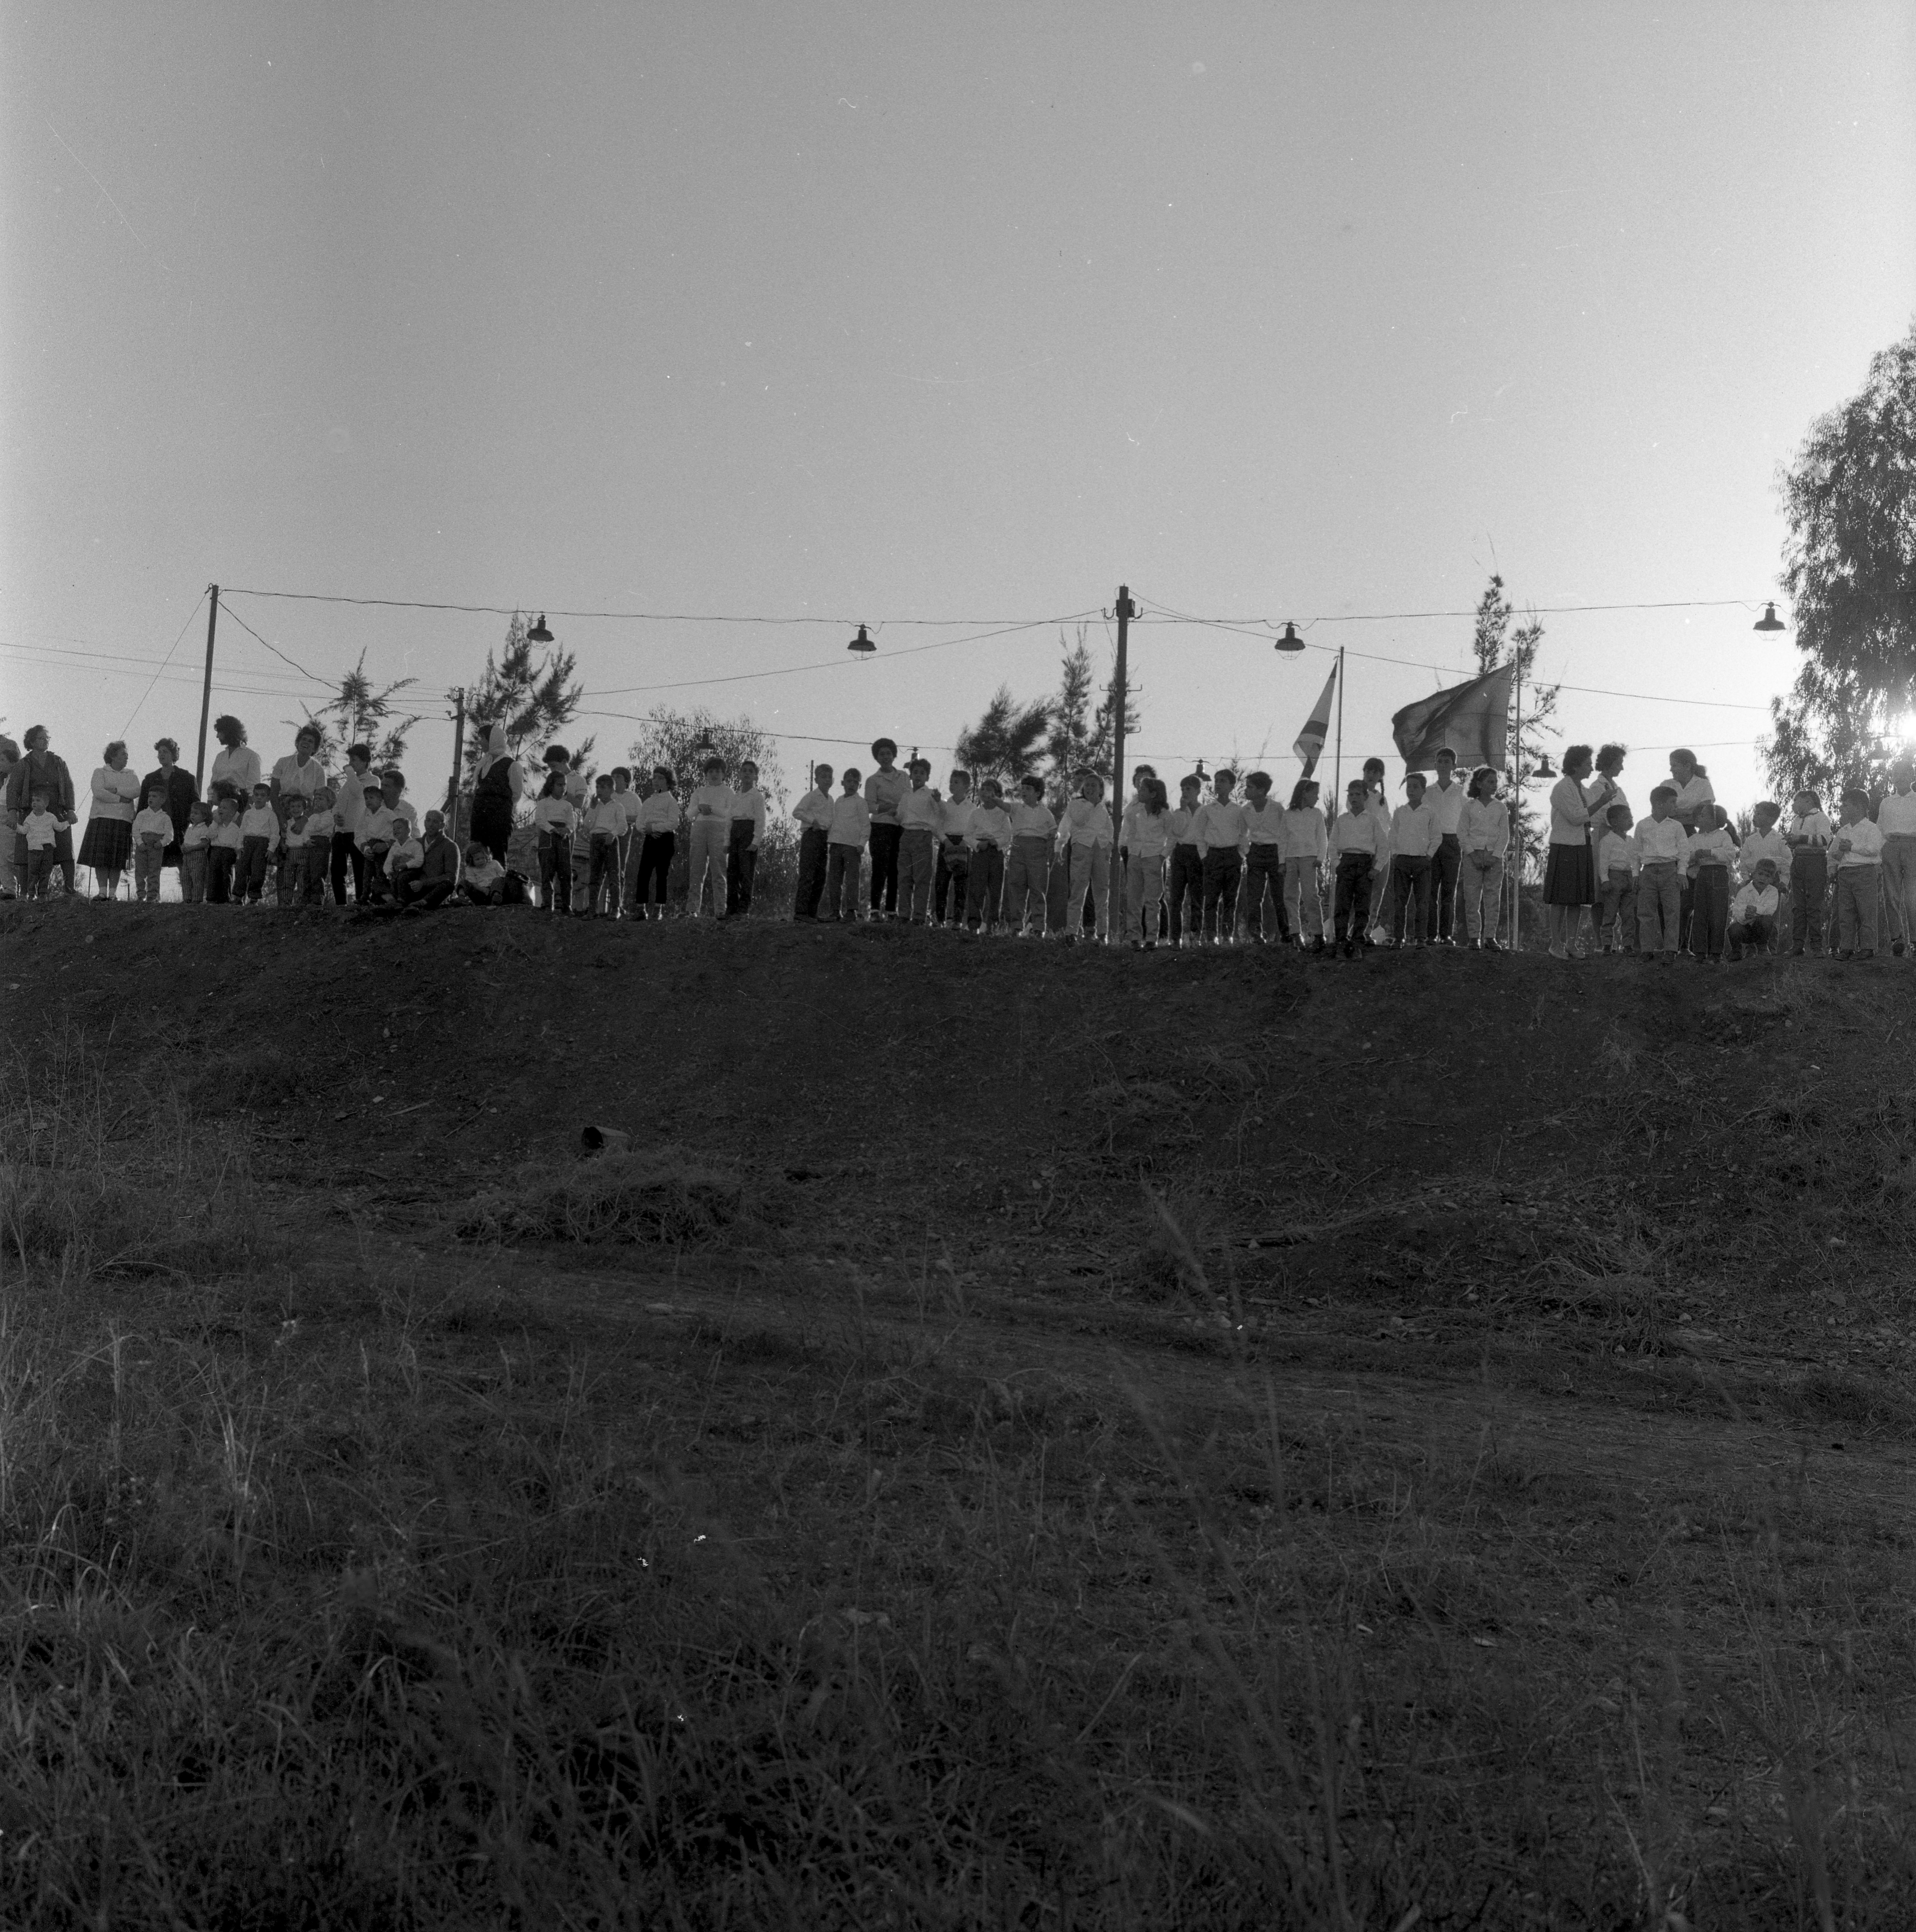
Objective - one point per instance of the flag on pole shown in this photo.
(1473, 720)
(1310, 741)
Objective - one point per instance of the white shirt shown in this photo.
(989, 825)
(149, 823)
(630, 806)
(1218, 822)
(239, 766)
(195, 836)
(710, 801)
(549, 816)
(1303, 835)
(750, 803)
(1413, 832)
(1030, 821)
(1760, 901)
(1859, 844)
(349, 797)
(851, 820)
(1355, 832)
(955, 821)
(1569, 820)
(1896, 817)
(259, 821)
(1660, 839)
(319, 825)
(813, 810)
(1447, 807)
(1692, 797)
(405, 854)
(1761, 845)
(1484, 826)
(115, 794)
(1615, 853)
(1144, 834)
(1263, 825)
(605, 817)
(291, 778)
(659, 811)
(921, 810)
(1813, 828)
(1085, 823)
(1713, 847)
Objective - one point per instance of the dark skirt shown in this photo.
(1570, 875)
(492, 823)
(108, 844)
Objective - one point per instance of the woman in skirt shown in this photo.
(108, 841)
(1569, 872)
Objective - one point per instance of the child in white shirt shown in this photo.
(1027, 871)
(1753, 912)
(1808, 838)
(1085, 847)
(553, 818)
(845, 837)
(1302, 840)
(988, 835)
(1483, 837)
(746, 838)
(195, 843)
(606, 822)
(1263, 861)
(223, 851)
(1145, 837)
(40, 828)
(1356, 841)
(813, 814)
(950, 871)
(1858, 847)
(259, 836)
(709, 808)
(321, 823)
(1217, 830)
(1710, 853)
(659, 814)
(152, 833)
(1663, 846)
(1616, 883)
(482, 879)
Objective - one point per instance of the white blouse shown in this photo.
(115, 794)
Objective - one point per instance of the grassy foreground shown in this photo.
(1306, 1462)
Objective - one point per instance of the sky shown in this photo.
(899, 314)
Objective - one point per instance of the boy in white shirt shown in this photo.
(1354, 843)
(658, 839)
(1263, 861)
(1445, 800)
(1217, 830)
(1661, 847)
(321, 823)
(629, 804)
(813, 814)
(989, 835)
(1184, 875)
(1616, 882)
(1896, 819)
(920, 814)
(40, 828)
(1710, 853)
(195, 842)
(1859, 855)
(1084, 847)
(606, 822)
(1027, 871)
(850, 827)
(553, 817)
(292, 867)
(223, 851)
(259, 834)
(404, 853)
(951, 870)
(710, 810)
(1753, 912)
(152, 833)
(1412, 841)
(746, 838)
(1808, 838)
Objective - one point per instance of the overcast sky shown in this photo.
(899, 312)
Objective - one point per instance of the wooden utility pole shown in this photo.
(1337, 768)
(1121, 703)
(206, 690)
(458, 761)
(1516, 846)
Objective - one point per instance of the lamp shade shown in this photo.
(1769, 621)
(1545, 769)
(539, 634)
(862, 643)
(1289, 641)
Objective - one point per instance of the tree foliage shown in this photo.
(1494, 642)
(1053, 735)
(364, 712)
(1849, 572)
(673, 738)
(1008, 740)
(533, 695)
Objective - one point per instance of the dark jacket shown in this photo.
(41, 771)
(182, 789)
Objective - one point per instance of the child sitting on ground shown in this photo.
(152, 833)
(1616, 880)
(483, 882)
(1753, 911)
(196, 841)
(404, 854)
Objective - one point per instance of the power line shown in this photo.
(274, 649)
(164, 662)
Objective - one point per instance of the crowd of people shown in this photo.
(1220, 866)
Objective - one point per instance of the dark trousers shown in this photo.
(602, 881)
(655, 871)
(1352, 905)
(1223, 869)
(220, 860)
(1809, 896)
(40, 861)
(951, 882)
(811, 872)
(985, 886)
(346, 852)
(1410, 879)
(1441, 921)
(556, 872)
(1756, 932)
(251, 880)
(60, 856)
(1263, 869)
(410, 889)
(740, 863)
(1186, 894)
(1709, 911)
(885, 867)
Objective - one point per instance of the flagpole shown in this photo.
(1337, 770)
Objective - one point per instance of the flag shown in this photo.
(1473, 720)
(1316, 727)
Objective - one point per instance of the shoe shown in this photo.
(1350, 951)
(1796, 952)
(1866, 952)
(1491, 945)
(1896, 948)
(1844, 957)
(1316, 946)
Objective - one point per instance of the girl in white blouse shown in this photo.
(1483, 837)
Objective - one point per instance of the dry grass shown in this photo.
(648, 1195)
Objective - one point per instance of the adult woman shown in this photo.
(502, 783)
(1569, 872)
(235, 765)
(1609, 767)
(182, 792)
(1696, 798)
(108, 841)
(297, 777)
(40, 769)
